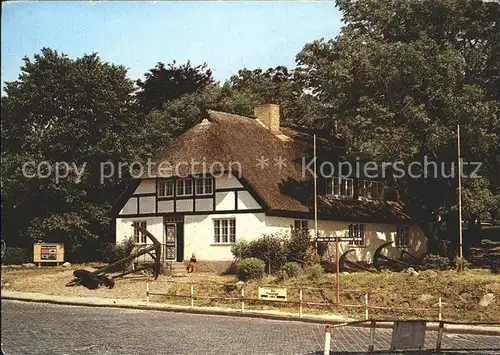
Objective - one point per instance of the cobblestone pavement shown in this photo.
(32, 328)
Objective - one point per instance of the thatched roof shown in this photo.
(228, 138)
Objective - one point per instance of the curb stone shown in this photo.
(493, 330)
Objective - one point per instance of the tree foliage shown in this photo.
(279, 85)
(63, 110)
(165, 83)
(84, 112)
(399, 79)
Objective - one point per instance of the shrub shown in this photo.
(298, 246)
(250, 269)
(281, 276)
(111, 252)
(271, 249)
(494, 266)
(312, 256)
(461, 264)
(16, 256)
(435, 262)
(291, 269)
(241, 249)
(313, 272)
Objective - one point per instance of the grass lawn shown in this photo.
(460, 292)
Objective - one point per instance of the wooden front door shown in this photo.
(171, 241)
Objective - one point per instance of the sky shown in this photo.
(227, 35)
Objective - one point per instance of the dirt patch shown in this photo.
(53, 280)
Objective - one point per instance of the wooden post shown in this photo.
(315, 197)
(459, 193)
(147, 293)
(337, 261)
(372, 336)
(439, 336)
(242, 299)
(192, 295)
(440, 309)
(300, 303)
(366, 305)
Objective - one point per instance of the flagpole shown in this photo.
(315, 194)
(459, 193)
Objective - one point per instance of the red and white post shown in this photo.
(328, 338)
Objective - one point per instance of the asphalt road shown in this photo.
(33, 328)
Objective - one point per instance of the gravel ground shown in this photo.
(52, 281)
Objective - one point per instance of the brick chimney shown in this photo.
(269, 116)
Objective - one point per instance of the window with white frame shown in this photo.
(340, 187)
(224, 230)
(204, 186)
(165, 188)
(301, 224)
(402, 236)
(139, 237)
(374, 190)
(184, 187)
(357, 232)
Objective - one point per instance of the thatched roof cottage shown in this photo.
(232, 177)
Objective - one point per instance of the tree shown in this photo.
(399, 78)
(277, 85)
(166, 83)
(60, 109)
(239, 95)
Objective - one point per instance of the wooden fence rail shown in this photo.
(365, 303)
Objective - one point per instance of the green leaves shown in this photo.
(166, 83)
(401, 76)
(62, 110)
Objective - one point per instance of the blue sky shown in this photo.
(226, 35)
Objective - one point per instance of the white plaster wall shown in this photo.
(147, 204)
(225, 181)
(246, 201)
(224, 201)
(146, 186)
(184, 205)
(199, 235)
(204, 204)
(130, 207)
(165, 206)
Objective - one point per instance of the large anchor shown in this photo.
(379, 259)
(343, 262)
(99, 277)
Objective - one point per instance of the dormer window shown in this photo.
(373, 190)
(340, 187)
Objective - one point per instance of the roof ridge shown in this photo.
(229, 113)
